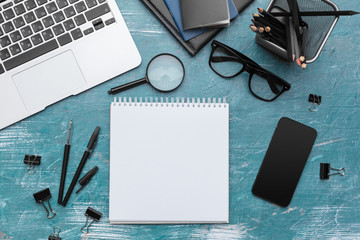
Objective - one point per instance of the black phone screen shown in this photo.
(284, 162)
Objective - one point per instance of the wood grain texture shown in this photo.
(319, 210)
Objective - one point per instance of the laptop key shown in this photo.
(8, 14)
(69, 24)
(15, 36)
(88, 31)
(41, 2)
(91, 3)
(51, 7)
(73, 1)
(101, 1)
(64, 39)
(29, 17)
(97, 12)
(15, 49)
(5, 6)
(59, 16)
(69, 11)
(31, 54)
(8, 27)
(1, 19)
(1, 32)
(37, 26)
(26, 31)
(4, 54)
(1, 69)
(30, 4)
(19, 22)
(98, 23)
(47, 34)
(110, 21)
(25, 44)
(36, 39)
(19, 9)
(80, 19)
(40, 12)
(62, 3)
(80, 7)
(48, 21)
(17, 1)
(5, 41)
(76, 34)
(58, 29)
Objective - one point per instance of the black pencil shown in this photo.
(265, 22)
(278, 41)
(268, 30)
(316, 13)
(262, 22)
(270, 17)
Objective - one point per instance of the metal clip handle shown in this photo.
(47, 211)
(341, 171)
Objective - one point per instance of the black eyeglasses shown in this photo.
(229, 63)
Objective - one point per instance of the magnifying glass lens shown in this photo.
(165, 72)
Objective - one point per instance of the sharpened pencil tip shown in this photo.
(253, 28)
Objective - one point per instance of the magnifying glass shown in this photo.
(165, 72)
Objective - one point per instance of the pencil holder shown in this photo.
(319, 29)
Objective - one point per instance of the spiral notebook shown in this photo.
(169, 161)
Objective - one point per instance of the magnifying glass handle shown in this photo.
(127, 86)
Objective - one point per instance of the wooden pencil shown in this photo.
(270, 17)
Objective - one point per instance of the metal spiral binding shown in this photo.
(172, 102)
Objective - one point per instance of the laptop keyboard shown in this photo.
(31, 28)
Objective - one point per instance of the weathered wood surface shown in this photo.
(319, 209)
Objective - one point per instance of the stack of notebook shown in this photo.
(195, 22)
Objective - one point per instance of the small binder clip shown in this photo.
(325, 171)
(42, 196)
(32, 160)
(94, 215)
(54, 235)
(314, 100)
(87, 178)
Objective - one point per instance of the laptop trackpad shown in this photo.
(49, 81)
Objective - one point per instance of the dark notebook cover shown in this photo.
(159, 9)
(204, 13)
(175, 11)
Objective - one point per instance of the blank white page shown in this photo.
(169, 162)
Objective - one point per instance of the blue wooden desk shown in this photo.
(319, 209)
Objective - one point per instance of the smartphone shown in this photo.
(284, 162)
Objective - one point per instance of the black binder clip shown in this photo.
(55, 235)
(42, 196)
(94, 215)
(325, 171)
(314, 100)
(32, 160)
(86, 178)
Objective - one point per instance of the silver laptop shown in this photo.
(52, 49)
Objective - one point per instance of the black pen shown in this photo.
(90, 147)
(65, 163)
